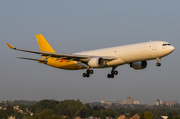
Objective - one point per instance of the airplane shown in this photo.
(136, 55)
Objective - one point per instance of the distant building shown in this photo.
(136, 102)
(159, 102)
(12, 117)
(164, 117)
(129, 100)
(102, 101)
(136, 116)
(121, 117)
(111, 102)
(16, 107)
(170, 103)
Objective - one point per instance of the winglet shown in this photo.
(10, 46)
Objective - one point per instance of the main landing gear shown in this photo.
(158, 64)
(88, 72)
(113, 72)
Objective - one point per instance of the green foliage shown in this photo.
(176, 117)
(46, 114)
(42, 105)
(170, 115)
(85, 111)
(3, 114)
(142, 115)
(22, 106)
(103, 114)
(10, 112)
(68, 107)
(148, 115)
(133, 112)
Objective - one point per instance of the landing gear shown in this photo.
(112, 73)
(158, 64)
(88, 72)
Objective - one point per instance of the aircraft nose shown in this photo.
(171, 48)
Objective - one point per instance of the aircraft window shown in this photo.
(166, 44)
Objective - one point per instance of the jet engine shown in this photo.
(96, 62)
(138, 65)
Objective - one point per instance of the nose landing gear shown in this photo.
(158, 64)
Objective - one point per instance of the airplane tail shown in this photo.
(43, 44)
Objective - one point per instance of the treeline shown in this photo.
(24, 102)
(155, 112)
(72, 108)
(53, 109)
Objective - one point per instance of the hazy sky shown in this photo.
(73, 26)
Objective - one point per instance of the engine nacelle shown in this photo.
(138, 65)
(96, 62)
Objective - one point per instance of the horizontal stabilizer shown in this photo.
(32, 59)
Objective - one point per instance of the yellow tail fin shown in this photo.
(43, 44)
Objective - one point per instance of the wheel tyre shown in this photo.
(87, 71)
(116, 72)
(112, 72)
(91, 71)
(112, 75)
(109, 75)
(87, 75)
(84, 75)
(158, 64)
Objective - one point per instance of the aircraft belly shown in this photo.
(116, 62)
(64, 64)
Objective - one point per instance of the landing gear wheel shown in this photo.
(109, 75)
(116, 72)
(87, 71)
(87, 75)
(91, 71)
(84, 74)
(112, 75)
(158, 64)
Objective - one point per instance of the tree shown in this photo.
(42, 105)
(148, 115)
(142, 115)
(170, 115)
(176, 117)
(103, 114)
(133, 112)
(68, 107)
(3, 114)
(46, 114)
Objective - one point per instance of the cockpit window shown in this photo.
(166, 44)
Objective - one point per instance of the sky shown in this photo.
(73, 26)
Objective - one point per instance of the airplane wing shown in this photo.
(63, 56)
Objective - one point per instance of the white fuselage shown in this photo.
(133, 53)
